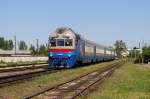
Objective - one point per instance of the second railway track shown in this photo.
(23, 68)
(75, 87)
(9, 76)
(9, 80)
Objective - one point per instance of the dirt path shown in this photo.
(144, 65)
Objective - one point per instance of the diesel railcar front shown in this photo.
(67, 49)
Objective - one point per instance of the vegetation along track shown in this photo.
(21, 77)
(75, 87)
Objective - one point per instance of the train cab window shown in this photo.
(60, 42)
(52, 42)
(68, 42)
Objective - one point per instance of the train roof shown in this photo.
(99, 45)
(61, 30)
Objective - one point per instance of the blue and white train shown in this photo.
(68, 49)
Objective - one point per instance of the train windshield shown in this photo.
(52, 42)
(68, 42)
(60, 42)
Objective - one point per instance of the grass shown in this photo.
(2, 62)
(23, 89)
(128, 82)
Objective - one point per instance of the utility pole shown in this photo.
(48, 43)
(131, 53)
(139, 57)
(37, 46)
(135, 53)
(15, 44)
(142, 51)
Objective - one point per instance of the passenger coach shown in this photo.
(68, 49)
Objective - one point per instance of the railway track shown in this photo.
(13, 75)
(17, 65)
(23, 68)
(9, 80)
(77, 86)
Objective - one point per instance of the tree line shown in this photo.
(6, 44)
(137, 53)
(120, 47)
(140, 54)
(42, 50)
(22, 45)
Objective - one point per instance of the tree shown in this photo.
(134, 53)
(6, 45)
(32, 49)
(146, 51)
(2, 42)
(10, 45)
(22, 45)
(120, 47)
(43, 50)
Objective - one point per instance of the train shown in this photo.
(69, 49)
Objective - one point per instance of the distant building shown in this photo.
(125, 53)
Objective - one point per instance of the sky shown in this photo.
(102, 21)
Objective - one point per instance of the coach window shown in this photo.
(60, 42)
(68, 42)
(52, 42)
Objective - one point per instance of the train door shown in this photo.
(82, 51)
(105, 54)
(94, 54)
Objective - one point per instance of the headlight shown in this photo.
(69, 55)
(51, 54)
